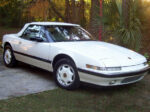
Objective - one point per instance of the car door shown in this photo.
(30, 51)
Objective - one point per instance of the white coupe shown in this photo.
(72, 54)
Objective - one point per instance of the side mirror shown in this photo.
(38, 39)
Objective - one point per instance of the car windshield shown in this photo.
(68, 33)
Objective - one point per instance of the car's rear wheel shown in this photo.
(8, 57)
(66, 75)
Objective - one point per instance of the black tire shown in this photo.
(76, 82)
(13, 61)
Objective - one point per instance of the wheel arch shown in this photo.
(61, 56)
(7, 43)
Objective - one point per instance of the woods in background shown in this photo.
(17, 12)
(123, 20)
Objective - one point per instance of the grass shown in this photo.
(133, 98)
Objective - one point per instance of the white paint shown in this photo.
(95, 53)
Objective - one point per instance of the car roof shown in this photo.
(45, 24)
(53, 23)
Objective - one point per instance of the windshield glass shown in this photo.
(68, 33)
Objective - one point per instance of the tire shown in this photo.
(8, 57)
(66, 74)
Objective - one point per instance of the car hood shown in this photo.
(105, 52)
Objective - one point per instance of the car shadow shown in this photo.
(29, 69)
(35, 71)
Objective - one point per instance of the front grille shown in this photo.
(131, 79)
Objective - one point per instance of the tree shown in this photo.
(82, 13)
(67, 11)
(128, 30)
(73, 11)
(94, 18)
(54, 9)
(126, 11)
(122, 23)
(11, 12)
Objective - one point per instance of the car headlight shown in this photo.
(103, 68)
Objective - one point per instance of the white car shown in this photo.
(72, 54)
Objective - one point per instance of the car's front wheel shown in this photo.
(66, 75)
(8, 57)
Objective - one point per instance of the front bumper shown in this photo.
(112, 79)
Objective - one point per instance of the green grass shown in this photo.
(133, 98)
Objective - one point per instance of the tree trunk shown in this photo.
(67, 11)
(82, 13)
(53, 7)
(73, 10)
(94, 13)
(126, 11)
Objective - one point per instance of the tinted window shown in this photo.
(68, 33)
(34, 31)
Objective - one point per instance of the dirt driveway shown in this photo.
(23, 80)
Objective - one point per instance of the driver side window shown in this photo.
(34, 31)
